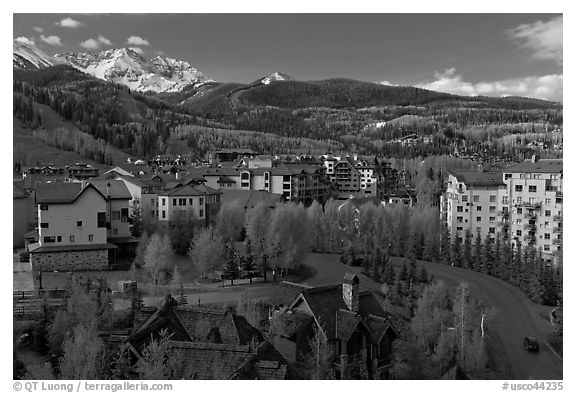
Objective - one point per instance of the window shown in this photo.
(49, 239)
(458, 228)
(476, 198)
(245, 176)
(492, 219)
(101, 217)
(522, 176)
(44, 225)
(505, 209)
(478, 208)
(174, 202)
(547, 225)
(492, 230)
(547, 213)
(505, 200)
(547, 201)
(558, 200)
(459, 209)
(115, 231)
(492, 209)
(78, 223)
(59, 239)
(201, 213)
(163, 213)
(163, 201)
(518, 187)
(201, 201)
(531, 188)
(458, 219)
(116, 215)
(90, 238)
(519, 221)
(464, 198)
(519, 200)
(72, 239)
(507, 176)
(124, 214)
(181, 201)
(190, 201)
(547, 236)
(245, 185)
(519, 210)
(286, 178)
(546, 247)
(43, 207)
(478, 219)
(492, 198)
(518, 233)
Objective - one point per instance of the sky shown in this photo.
(468, 54)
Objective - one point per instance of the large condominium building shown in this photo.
(535, 196)
(473, 202)
(352, 175)
(523, 202)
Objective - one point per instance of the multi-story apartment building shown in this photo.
(72, 228)
(473, 202)
(535, 196)
(296, 182)
(182, 203)
(353, 176)
(523, 202)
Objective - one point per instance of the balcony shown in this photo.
(559, 194)
(557, 230)
(530, 226)
(504, 213)
(557, 218)
(530, 238)
(503, 224)
(530, 215)
(532, 205)
(557, 242)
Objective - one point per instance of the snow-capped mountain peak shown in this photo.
(29, 57)
(127, 67)
(275, 77)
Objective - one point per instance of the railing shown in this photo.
(557, 230)
(557, 241)
(530, 226)
(557, 218)
(504, 213)
(530, 215)
(532, 205)
(503, 223)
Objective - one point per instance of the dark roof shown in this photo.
(346, 322)
(61, 192)
(250, 198)
(74, 247)
(540, 166)
(225, 179)
(324, 302)
(117, 189)
(236, 150)
(291, 322)
(473, 177)
(18, 190)
(207, 190)
(183, 191)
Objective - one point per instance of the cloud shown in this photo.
(547, 87)
(51, 40)
(137, 50)
(69, 22)
(38, 29)
(136, 40)
(387, 83)
(92, 43)
(543, 40)
(25, 40)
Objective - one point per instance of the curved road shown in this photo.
(515, 318)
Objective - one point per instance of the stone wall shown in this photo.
(69, 260)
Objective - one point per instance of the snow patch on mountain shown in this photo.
(275, 77)
(26, 56)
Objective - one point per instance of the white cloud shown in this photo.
(51, 40)
(387, 83)
(543, 40)
(38, 29)
(137, 50)
(547, 87)
(69, 22)
(92, 43)
(136, 40)
(25, 40)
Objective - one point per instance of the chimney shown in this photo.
(534, 157)
(350, 292)
(177, 175)
(83, 184)
(108, 190)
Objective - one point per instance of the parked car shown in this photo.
(531, 344)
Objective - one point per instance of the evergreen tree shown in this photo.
(487, 265)
(389, 274)
(248, 261)
(231, 270)
(375, 270)
(444, 252)
(477, 259)
(497, 257)
(403, 275)
(455, 253)
(423, 276)
(467, 261)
